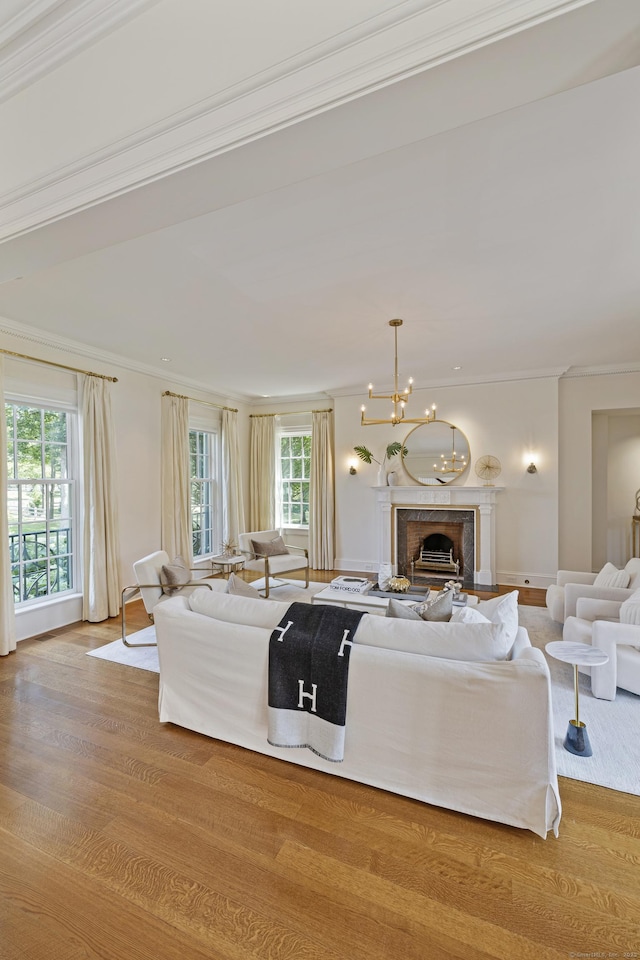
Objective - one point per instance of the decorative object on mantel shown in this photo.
(397, 399)
(488, 468)
(392, 450)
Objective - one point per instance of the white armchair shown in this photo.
(613, 627)
(149, 584)
(275, 558)
(571, 585)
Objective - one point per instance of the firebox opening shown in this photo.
(437, 555)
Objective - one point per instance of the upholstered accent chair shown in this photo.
(562, 596)
(266, 553)
(613, 627)
(151, 584)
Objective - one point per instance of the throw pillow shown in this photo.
(633, 569)
(502, 609)
(468, 615)
(174, 576)
(610, 576)
(269, 548)
(401, 611)
(449, 641)
(239, 588)
(630, 609)
(440, 608)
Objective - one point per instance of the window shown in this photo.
(295, 472)
(203, 449)
(40, 496)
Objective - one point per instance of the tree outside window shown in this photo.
(39, 500)
(295, 471)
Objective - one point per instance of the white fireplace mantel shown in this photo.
(482, 500)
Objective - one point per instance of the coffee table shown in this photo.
(579, 655)
(364, 601)
(357, 601)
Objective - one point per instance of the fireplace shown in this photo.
(436, 545)
(466, 515)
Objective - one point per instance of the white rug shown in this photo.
(611, 724)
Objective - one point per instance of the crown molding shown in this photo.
(380, 51)
(44, 34)
(549, 373)
(84, 353)
(601, 371)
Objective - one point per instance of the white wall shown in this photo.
(513, 420)
(579, 399)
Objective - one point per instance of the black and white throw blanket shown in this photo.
(308, 672)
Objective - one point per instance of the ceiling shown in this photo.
(491, 201)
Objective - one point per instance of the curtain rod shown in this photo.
(62, 366)
(207, 403)
(292, 413)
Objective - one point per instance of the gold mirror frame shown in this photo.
(444, 447)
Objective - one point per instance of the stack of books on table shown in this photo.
(351, 584)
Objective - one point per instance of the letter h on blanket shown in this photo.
(308, 675)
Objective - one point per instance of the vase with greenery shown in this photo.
(392, 450)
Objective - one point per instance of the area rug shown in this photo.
(611, 723)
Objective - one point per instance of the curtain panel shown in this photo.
(321, 494)
(262, 473)
(232, 501)
(176, 533)
(7, 610)
(101, 554)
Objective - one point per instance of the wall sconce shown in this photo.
(532, 468)
(352, 467)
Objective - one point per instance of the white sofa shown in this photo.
(563, 595)
(473, 736)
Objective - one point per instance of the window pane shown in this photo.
(58, 501)
(29, 459)
(297, 467)
(296, 446)
(55, 426)
(55, 460)
(285, 447)
(32, 500)
(28, 423)
(8, 414)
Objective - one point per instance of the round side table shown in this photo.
(226, 563)
(579, 655)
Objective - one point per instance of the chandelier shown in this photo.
(398, 399)
(454, 463)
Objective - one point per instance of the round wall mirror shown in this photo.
(436, 452)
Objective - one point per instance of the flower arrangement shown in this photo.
(392, 450)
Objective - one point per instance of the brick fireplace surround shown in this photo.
(472, 509)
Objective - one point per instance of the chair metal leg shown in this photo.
(132, 592)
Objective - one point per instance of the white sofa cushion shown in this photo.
(468, 615)
(610, 576)
(236, 609)
(502, 609)
(433, 638)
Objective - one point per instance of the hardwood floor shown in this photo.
(124, 839)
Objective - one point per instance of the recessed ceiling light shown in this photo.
(457, 368)
(166, 359)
